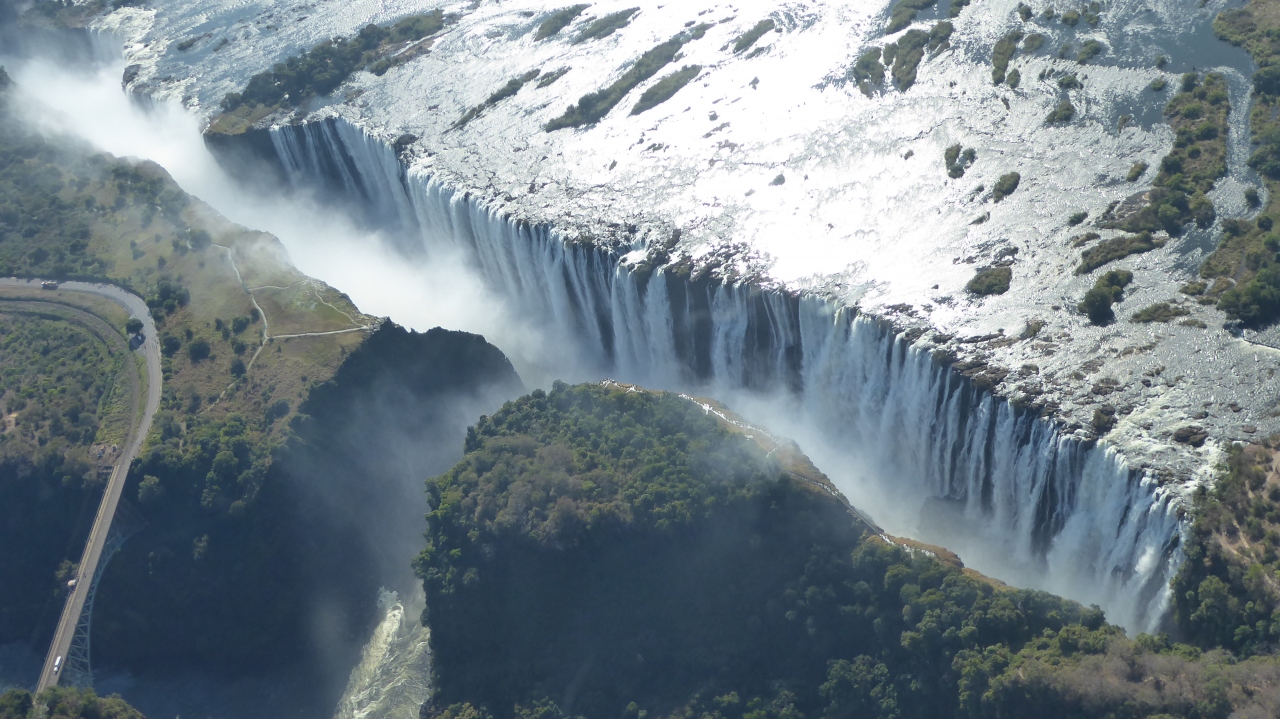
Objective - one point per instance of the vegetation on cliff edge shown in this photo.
(603, 551)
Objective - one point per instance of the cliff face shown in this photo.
(296, 575)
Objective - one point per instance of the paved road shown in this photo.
(115, 486)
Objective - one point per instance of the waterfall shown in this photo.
(997, 483)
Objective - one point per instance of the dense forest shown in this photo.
(602, 551)
(61, 703)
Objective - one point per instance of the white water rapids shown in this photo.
(390, 682)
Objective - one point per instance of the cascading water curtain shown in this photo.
(1050, 512)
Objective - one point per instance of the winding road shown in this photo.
(137, 309)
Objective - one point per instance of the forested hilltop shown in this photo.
(607, 552)
(283, 471)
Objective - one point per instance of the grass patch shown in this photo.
(1159, 312)
(606, 26)
(1106, 291)
(1061, 114)
(990, 281)
(557, 21)
(1005, 186)
(508, 90)
(591, 107)
(1114, 249)
(749, 38)
(665, 88)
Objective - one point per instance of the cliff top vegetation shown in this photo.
(665, 564)
(1246, 257)
(322, 69)
(63, 703)
(231, 391)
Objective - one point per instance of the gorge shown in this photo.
(1040, 446)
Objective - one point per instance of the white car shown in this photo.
(57, 665)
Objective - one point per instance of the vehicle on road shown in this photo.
(48, 285)
(57, 664)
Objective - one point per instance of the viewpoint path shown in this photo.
(137, 309)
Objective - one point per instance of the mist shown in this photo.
(441, 288)
(436, 290)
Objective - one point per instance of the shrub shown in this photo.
(1114, 249)
(1266, 81)
(198, 349)
(1077, 217)
(1159, 312)
(1255, 303)
(958, 160)
(1089, 50)
(940, 35)
(1071, 18)
(1069, 82)
(1014, 79)
(1032, 43)
(1136, 171)
(169, 344)
(558, 21)
(990, 281)
(1005, 186)
(551, 77)
(908, 53)
(749, 38)
(1002, 52)
(1062, 113)
(133, 326)
(237, 367)
(868, 68)
(662, 90)
(606, 26)
(1106, 291)
(322, 69)
(508, 90)
(905, 11)
(150, 490)
(594, 106)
